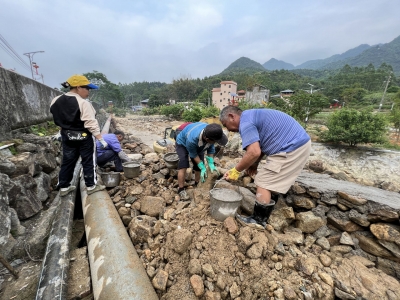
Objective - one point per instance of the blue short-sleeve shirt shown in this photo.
(275, 130)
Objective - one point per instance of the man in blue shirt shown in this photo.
(113, 152)
(193, 141)
(285, 143)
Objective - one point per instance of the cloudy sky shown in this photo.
(162, 40)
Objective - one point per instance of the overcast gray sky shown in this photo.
(150, 40)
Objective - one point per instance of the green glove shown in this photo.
(210, 161)
(203, 171)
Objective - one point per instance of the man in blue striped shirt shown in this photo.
(284, 142)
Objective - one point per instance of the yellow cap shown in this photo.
(80, 80)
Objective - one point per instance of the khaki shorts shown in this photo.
(280, 171)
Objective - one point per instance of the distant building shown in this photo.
(286, 93)
(259, 95)
(224, 95)
(145, 103)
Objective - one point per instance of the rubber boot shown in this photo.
(259, 217)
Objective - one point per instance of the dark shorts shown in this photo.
(184, 158)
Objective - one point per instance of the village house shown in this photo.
(223, 95)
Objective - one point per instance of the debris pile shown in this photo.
(316, 245)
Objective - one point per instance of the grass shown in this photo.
(45, 129)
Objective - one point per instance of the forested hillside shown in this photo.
(321, 63)
(243, 64)
(274, 64)
(353, 85)
(385, 53)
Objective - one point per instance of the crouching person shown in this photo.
(113, 152)
(193, 142)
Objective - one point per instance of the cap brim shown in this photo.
(92, 86)
(223, 140)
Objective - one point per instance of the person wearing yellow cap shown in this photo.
(79, 128)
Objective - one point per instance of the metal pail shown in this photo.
(131, 169)
(171, 160)
(224, 203)
(111, 179)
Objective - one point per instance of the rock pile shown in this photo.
(317, 245)
(27, 180)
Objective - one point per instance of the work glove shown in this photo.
(210, 161)
(57, 137)
(103, 143)
(232, 174)
(122, 155)
(203, 171)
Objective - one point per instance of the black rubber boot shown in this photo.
(259, 217)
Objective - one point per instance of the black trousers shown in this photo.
(71, 151)
(110, 155)
(184, 157)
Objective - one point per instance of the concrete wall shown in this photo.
(23, 102)
(257, 96)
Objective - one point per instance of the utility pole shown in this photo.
(384, 92)
(309, 104)
(30, 56)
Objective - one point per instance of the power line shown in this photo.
(11, 48)
(14, 55)
(8, 51)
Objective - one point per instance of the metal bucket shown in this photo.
(131, 169)
(110, 179)
(224, 203)
(171, 160)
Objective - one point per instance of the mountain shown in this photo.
(243, 64)
(320, 63)
(361, 55)
(274, 64)
(388, 53)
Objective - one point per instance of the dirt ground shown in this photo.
(147, 128)
(206, 259)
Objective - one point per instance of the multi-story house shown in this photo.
(222, 96)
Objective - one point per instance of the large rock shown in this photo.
(152, 157)
(6, 166)
(24, 163)
(152, 206)
(281, 218)
(141, 228)
(383, 213)
(353, 278)
(386, 232)
(47, 161)
(370, 245)
(5, 221)
(181, 240)
(22, 197)
(328, 188)
(43, 182)
(27, 147)
(308, 222)
(39, 229)
(341, 221)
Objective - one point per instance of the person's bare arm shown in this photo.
(252, 155)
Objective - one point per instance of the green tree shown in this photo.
(354, 127)
(184, 89)
(107, 91)
(353, 94)
(204, 97)
(193, 114)
(303, 104)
